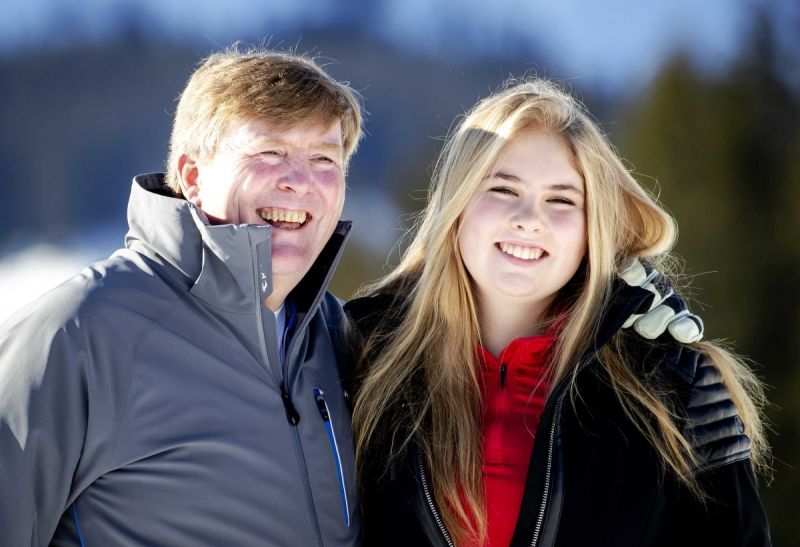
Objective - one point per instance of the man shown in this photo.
(185, 391)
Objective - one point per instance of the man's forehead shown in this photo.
(311, 133)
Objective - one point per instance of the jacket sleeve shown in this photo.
(732, 513)
(43, 420)
(713, 425)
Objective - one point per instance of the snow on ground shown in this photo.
(29, 273)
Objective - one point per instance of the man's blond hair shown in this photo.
(280, 89)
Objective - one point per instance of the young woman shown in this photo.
(499, 400)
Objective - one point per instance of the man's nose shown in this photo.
(297, 176)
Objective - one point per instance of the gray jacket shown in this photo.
(142, 402)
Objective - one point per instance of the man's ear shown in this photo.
(189, 176)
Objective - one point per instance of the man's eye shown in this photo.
(322, 159)
(272, 153)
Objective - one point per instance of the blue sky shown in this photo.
(607, 42)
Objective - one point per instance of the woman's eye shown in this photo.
(272, 153)
(503, 190)
(561, 201)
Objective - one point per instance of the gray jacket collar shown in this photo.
(224, 265)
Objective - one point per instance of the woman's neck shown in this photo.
(503, 321)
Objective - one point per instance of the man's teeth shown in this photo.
(525, 253)
(283, 215)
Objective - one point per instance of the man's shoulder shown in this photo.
(331, 310)
(93, 297)
(91, 322)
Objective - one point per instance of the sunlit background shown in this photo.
(702, 99)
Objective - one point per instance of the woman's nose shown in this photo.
(527, 218)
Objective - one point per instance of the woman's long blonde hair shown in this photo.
(434, 344)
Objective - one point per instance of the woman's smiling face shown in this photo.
(523, 235)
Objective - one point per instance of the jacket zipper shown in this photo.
(431, 505)
(291, 412)
(324, 412)
(548, 471)
(292, 416)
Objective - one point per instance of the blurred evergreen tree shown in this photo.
(724, 151)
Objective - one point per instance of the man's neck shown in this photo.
(274, 302)
(281, 287)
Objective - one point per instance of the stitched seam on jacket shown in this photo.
(164, 313)
(727, 460)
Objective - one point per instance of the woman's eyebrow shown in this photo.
(565, 187)
(505, 176)
(558, 187)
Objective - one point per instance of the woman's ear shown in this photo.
(189, 176)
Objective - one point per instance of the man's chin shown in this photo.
(290, 265)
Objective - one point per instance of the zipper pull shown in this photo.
(503, 373)
(322, 406)
(291, 412)
(347, 398)
(319, 398)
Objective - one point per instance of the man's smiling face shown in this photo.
(291, 179)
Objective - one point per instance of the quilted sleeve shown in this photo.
(713, 425)
(733, 514)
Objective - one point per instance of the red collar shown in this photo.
(519, 352)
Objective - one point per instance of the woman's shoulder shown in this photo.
(370, 322)
(678, 363)
(713, 425)
(684, 370)
(380, 312)
(709, 418)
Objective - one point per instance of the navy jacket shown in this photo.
(593, 478)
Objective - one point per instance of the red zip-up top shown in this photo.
(514, 391)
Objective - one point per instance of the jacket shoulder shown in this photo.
(80, 296)
(372, 314)
(100, 307)
(331, 309)
(712, 424)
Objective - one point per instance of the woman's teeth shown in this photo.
(525, 253)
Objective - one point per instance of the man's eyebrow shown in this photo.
(329, 146)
